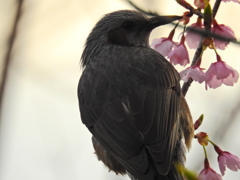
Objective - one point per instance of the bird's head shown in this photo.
(123, 28)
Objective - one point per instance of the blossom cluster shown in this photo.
(225, 159)
(219, 72)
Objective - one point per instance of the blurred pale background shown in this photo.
(42, 137)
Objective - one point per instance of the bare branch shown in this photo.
(7, 60)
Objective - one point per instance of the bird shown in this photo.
(130, 99)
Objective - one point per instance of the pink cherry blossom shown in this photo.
(179, 55)
(237, 1)
(192, 38)
(208, 173)
(201, 3)
(220, 73)
(227, 159)
(195, 72)
(224, 31)
(164, 45)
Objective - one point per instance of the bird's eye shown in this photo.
(127, 25)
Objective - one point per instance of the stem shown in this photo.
(182, 39)
(186, 5)
(217, 149)
(171, 34)
(206, 163)
(141, 10)
(7, 60)
(212, 142)
(205, 152)
(197, 54)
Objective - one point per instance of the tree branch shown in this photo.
(204, 33)
(215, 7)
(7, 60)
(207, 22)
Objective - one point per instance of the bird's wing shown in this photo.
(135, 126)
(156, 111)
(156, 116)
(114, 129)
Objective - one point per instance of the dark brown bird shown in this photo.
(130, 99)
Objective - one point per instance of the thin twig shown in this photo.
(209, 33)
(204, 33)
(141, 10)
(8, 57)
(190, 8)
(215, 7)
(197, 54)
(194, 30)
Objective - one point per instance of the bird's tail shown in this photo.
(173, 174)
(178, 160)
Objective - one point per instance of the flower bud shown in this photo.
(202, 138)
(198, 122)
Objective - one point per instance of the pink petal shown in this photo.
(210, 72)
(202, 174)
(218, 73)
(237, 1)
(184, 75)
(229, 81)
(222, 164)
(233, 72)
(209, 174)
(156, 41)
(163, 45)
(227, 159)
(231, 165)
(231, 78)
(210, 77)
(224, 31)
(221, 70)
(200, 3)
(194, 72)
(214, 82)
(220, 44)
(227, 31)
(193, 39)
(179, 55)
(197, 75)
(232, 161)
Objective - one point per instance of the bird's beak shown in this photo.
(161, 20)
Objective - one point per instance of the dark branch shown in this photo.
(213, 35)
(197, 54)
(215, 7)
(194, 30)
(7, 60)
(141, 10)
(207, 23)
(190, 8)
(204, 33)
